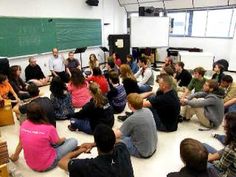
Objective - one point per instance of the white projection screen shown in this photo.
(150, 32)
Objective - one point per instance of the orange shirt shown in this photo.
(5, 89)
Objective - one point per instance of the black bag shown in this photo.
(4, 66)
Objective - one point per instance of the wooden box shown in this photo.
(6, 114)
(4, 171)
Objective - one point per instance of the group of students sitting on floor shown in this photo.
(100, 96)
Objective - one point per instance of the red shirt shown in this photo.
(101, 81)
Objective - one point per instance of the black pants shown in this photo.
(64, 76)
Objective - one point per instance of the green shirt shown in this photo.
(196, 84)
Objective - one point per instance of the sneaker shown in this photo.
(122, 118)
(128, 113)
(182, 118)
(71, 128)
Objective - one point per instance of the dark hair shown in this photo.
(36, 114)
(227, 78)
(13, 71)
(200, 70)
(71, 52)
(131, 57)
(33, 90)
(77, 78)
(143, 59)
(110, 62)
(104, 138)
(220, 66)
(181, 64)
(58, 87)
(213, 84)
(97, 71)
(194, 154)
(92, 64)
(230, 128)
(2, 78)
(114, 76)
(169, 70)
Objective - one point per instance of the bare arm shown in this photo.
(118, 133)
(14, 157)
(63, 163)
(146, 94)
(15, 95)
(213, 157)
(230, 102)
(146, 103)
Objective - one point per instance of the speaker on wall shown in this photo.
(92, 2)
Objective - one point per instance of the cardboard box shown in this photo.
(6, 114)
(4, 171)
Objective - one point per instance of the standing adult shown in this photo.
(57, 65)
(72, 63)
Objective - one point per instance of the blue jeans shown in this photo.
(221, 138)
(232, 108)
(130, 146)
(145, 88)
(159, 125)
(211, 168)
(81, 124)
(63, 149)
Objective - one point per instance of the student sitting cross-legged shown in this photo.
(194, 155)
(137, 128)
(117, 94)
(96, 111)
(113, 159)
(164, 105)
(223, 161)
(207, 105)
(42, 146)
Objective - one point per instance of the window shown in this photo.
(199, 23)
(218, 23)
(180, 23)
(204, 23)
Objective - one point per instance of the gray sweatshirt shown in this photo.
(213, 106)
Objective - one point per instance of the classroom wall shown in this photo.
(221, 48)
(107, 10)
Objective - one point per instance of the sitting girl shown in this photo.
(96, 111)
(78, 88)
(61, 99)
(41, 144)
(223, 162)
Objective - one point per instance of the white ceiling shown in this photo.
(132, 5)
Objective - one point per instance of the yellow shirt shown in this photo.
(5, 89)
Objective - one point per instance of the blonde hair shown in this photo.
(126, 72)
(135, 100)
(97, 95)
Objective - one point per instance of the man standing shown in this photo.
(57, 65)
(33, 73)
(71, 63)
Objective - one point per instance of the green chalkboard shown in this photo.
(25, 36)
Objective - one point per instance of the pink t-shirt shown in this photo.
(36, 141)
(80, 95)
